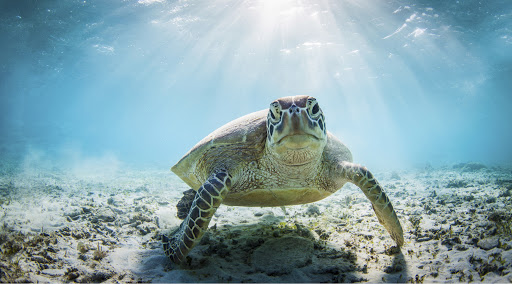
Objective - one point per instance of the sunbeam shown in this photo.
(391, 75)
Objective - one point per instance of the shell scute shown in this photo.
(227, 147)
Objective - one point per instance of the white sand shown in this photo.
(77, 225)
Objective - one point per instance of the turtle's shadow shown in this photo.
(398, 269)
(243, 251)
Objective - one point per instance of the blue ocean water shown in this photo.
(402, 83)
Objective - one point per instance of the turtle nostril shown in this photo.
(293, 109)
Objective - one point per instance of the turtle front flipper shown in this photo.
(206, 201)
(381, 204)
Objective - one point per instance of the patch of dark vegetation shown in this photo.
(450, 242)
(10, 272)
(461, 247)
(97, 277)
(99, 253)
(324, 235)
(392, 250)
(80, 234)
(435, 234)
(72, 274)
(415, 222)
(11, 245)
(503, 221)
(417, 279)
(41, 251)
(15, 246)
(429, 209)
(483, 266)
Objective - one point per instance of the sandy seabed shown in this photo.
(105, 226)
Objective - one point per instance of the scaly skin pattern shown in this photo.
(287, 159)
(208, 198)
(363, 178)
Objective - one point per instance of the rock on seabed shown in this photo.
(488, 243)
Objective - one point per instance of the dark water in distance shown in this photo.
(400, 82)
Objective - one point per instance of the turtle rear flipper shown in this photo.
(185, 203)
(364, 179)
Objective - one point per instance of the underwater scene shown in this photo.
(363, 141)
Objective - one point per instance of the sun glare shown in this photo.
(365, 57)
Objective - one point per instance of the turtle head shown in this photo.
(296, 130)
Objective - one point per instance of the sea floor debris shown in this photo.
(66, 227)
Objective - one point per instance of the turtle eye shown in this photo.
(313, 108)
(275, 112)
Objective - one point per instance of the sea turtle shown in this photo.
(275, 157)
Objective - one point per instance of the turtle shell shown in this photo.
(230, 147)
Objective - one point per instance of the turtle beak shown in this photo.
(295, 121)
